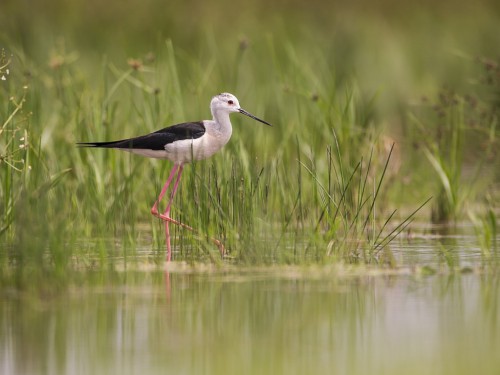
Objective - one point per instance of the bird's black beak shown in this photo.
(252, 116)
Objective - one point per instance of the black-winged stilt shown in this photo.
(183, 143)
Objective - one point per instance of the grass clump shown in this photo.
(445, 128)
(14, 142)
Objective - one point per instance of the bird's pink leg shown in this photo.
(167, 240)
(174, 190)
(154, 209)
(166, 215)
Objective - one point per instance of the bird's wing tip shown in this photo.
(85, 144)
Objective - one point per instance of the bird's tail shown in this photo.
(111, 144)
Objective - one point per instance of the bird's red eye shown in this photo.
(230, 102)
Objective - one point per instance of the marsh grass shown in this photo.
(314, 188)
(13, 157)
(445, 128)
(486, 229)
(239, 196)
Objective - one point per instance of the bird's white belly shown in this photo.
(194, 149)
(185, 151)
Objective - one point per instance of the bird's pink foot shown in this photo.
(167, 218)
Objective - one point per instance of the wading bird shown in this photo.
(181, 144)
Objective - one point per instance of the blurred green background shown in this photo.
(401, 50)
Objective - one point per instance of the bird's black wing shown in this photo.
(157, 140)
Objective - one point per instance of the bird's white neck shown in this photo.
(222, 122)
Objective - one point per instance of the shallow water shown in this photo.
(276, 320)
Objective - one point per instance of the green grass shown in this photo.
(444, 136)
(322, 185)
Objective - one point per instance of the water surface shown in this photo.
(274, 320)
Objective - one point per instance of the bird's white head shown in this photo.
(228, 103)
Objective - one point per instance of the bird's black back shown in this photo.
(157, 140)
